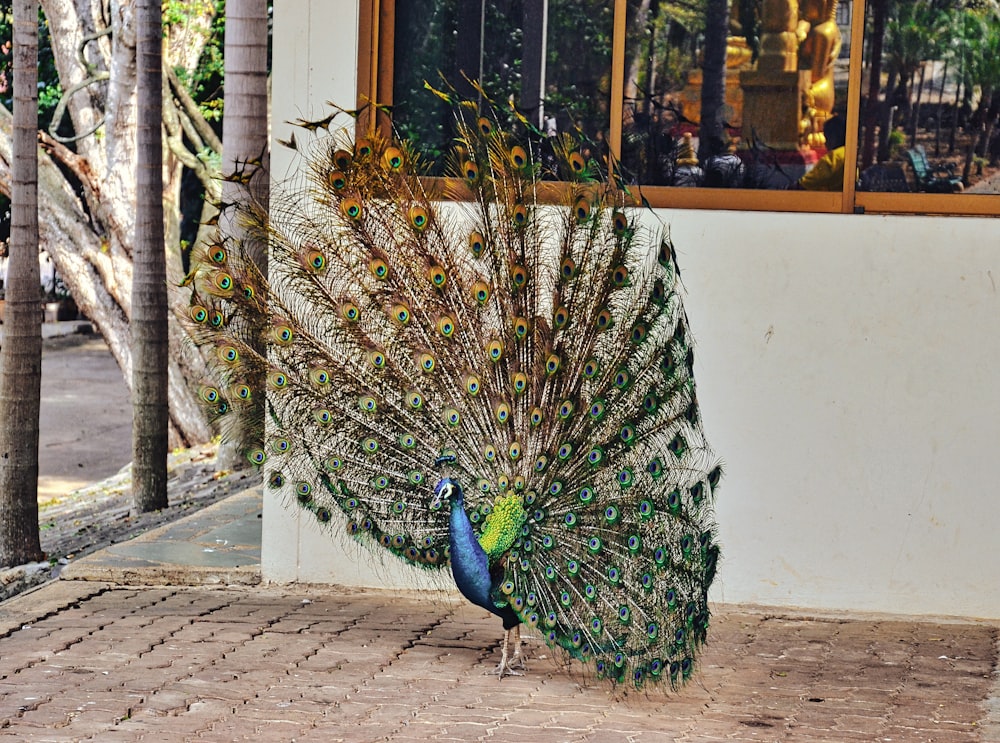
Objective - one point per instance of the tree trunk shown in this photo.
(88, 193)
(21, 354)
(150, 348)
(879, 10)
(713, 90)
(245, 150)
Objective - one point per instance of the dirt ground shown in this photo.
(86, 418)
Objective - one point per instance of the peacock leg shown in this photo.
(518, 660)
(506, 662)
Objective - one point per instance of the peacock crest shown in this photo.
(516, 326)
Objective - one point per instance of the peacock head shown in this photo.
(447, 491)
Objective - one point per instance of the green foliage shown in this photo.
(577, 74)
(49, 90)
(205, 82)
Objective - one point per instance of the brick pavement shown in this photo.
(83, 661)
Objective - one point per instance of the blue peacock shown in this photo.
(491, 371)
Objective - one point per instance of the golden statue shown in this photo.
(820, 45)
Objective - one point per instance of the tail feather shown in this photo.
(533, 332)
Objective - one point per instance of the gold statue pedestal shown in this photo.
(772, 107)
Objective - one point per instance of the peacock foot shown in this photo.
(510, 665)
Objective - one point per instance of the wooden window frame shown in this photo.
(376, 35)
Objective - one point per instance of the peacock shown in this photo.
(490, 370)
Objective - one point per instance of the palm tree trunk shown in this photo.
(21, 355)
(245, 140)
(150, 354)
(879, 10)
(713, 90)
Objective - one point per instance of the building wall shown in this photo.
(846, 370)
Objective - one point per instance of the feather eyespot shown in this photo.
(319, 377)
(485, 126)
(427, 362)
(536, 417)
(502, 412)
(322, 416)
(216, 319)
(342, 159)
(392, 158)
(337, 180)
(518, 157)
(257, 456)
(419, 218)
(446, 326)
(217, 255)
(520, 383)
(210, 395)
(470, 170)
(408, 441)
(437, 276)
(514, 451)
(619, 276)
(368, 404)
(315, 260)
(576, 163)
(282, 334)
(198, 313)
(481, 292)
(567, 269)
(277, 380)
(489, 453)
(243, 391)
(350, 311)
(552, 364)
(494, 350)
(665, 253)
(473, 384)
(519, 276)
(363, 148)
(351, 207)
(582, 210)
(415, 400)
(228, 355)
(560, 317)
(604, 320)
(521, 327)
(401, 313)
(378, 268)
(477, 243)
(519, 215)
(223, 281)
(377, 359)
(619, 222)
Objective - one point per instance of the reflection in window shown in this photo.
(551, 59)
(731, 96)
(932, 97)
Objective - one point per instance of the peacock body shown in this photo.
(491, 371)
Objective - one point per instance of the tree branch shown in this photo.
(190, 107)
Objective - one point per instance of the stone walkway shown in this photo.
(89, 661)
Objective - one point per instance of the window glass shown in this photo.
(551, 59)
(931, 97)
(740, 95)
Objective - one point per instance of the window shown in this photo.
(747, 95)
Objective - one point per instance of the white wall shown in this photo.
(846, 368)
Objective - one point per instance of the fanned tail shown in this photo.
(518, 316)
